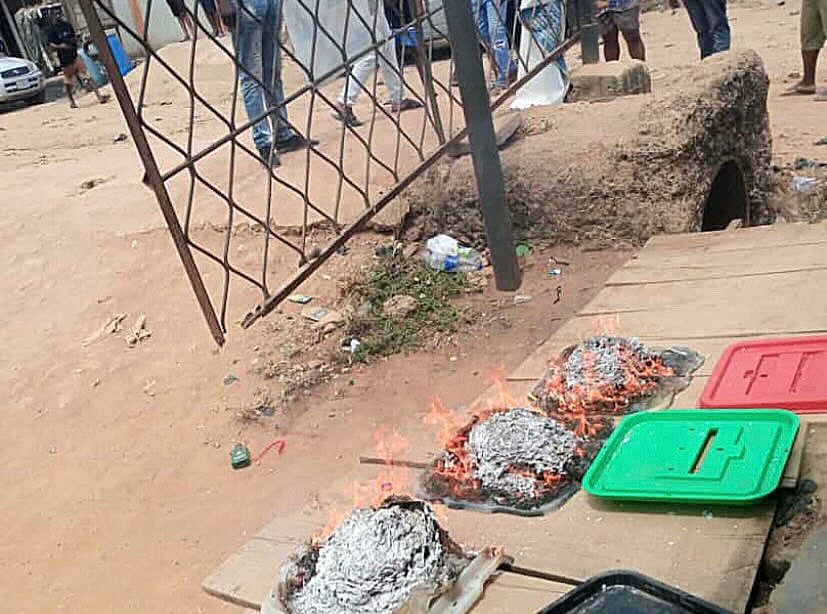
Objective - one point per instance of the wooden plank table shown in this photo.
(703, 291)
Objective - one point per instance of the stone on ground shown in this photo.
(609, 79)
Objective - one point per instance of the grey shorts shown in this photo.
(625, 21)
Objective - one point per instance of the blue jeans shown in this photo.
(491, 15)
(256, 43)
(710, 22)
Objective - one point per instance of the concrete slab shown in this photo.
(610, 79)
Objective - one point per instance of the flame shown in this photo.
(455, 467)
(580, 404)
(393, 481)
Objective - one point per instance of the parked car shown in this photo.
(21, 80)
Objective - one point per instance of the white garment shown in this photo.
(551, 85)
(359, 78)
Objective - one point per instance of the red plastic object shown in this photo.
(778, 373)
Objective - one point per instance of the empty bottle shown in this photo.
(444, 253)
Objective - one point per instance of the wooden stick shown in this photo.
(372, 460)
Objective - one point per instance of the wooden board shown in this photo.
(714, 552)
(510, 593)
(654, 268)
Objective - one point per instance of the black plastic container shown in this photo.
(627, 592)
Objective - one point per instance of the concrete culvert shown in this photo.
(693, 156)
(727, 200)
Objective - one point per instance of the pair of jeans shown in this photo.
(256, 43)
(491, 16)
(711, 24)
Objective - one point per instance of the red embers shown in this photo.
(776, 373)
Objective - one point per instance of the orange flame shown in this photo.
(581, 403)
(393, 481)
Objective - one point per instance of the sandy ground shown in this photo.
(116, 487)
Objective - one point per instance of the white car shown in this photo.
(21, 80)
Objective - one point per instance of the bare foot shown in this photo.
(800, 89)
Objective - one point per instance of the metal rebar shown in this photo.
(536, 573)
(484, 153)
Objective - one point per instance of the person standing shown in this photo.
(179, 11)
(255, 27)
(617, 17)
(357, 79)
(710, 22)
(63, 40)
(491, 18)
(813, 36)
(212, 15)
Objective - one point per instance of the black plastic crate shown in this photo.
(627, 592)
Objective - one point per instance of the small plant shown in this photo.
(392, 275)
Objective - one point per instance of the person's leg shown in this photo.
(271, 63)
(183, 23)
(611, 46)
(697, 16)
(813, 35)
(85, 81)
(629, 24)
(69, 93)
(248, 48)
(718, 24)
(498, 34)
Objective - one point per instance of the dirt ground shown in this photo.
(116, 486)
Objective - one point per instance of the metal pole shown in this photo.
(153, 175)
(590, 33)
(486, 158)
(423, 65)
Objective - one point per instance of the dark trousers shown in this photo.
(710, 22)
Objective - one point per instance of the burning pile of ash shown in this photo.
(612, 375)
(516, 459)
(374, 562)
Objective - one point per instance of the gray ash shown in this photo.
(372, 562)
(513, 458)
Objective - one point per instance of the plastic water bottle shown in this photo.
(444, 253)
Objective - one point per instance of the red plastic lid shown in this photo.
(778, 373)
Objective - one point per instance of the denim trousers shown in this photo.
(710, 22)
(491, 22)
(256, 43)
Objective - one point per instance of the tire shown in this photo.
(39, 98)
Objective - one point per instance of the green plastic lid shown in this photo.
(705, 456)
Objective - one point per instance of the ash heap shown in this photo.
(372, 563)
(513, 459)
(611, 375)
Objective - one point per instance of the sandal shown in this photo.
(799, 90)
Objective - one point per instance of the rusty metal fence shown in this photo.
(300, 77)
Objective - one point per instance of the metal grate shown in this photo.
(205, 171)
